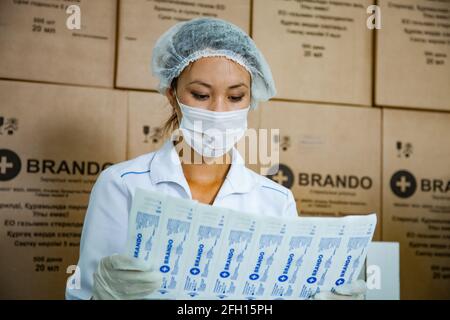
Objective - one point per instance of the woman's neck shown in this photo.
(205, 174)
(200, 169)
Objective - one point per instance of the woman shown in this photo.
(212, 74)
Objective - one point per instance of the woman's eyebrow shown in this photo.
(238, 85)
(209, 86)
(200, 82)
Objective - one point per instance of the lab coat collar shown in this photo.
(166, 167)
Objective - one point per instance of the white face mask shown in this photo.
(212, 133)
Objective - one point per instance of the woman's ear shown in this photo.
(170, 94)
(171, 97)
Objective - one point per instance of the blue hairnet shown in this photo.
(191, 40)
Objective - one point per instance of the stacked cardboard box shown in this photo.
(54, 140)
(37, 44)
(413, 55)
(318, 50)
(147, 113)
(142, 22)
(416, 199)
(329, 156)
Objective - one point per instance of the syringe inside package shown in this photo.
(143, 225)
(173, 243)
(208, 252)
(229, 265)
(203, 250)
(267, 249)
(158, 233)
(290, 263)
(337, 253)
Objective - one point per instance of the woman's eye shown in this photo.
(236, 99)
(199, 96)
(205, 97)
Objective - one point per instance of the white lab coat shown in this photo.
(106, 222)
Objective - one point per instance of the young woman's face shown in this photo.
(215, 84)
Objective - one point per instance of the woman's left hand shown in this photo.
(351, 291)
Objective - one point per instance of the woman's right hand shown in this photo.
(349, 291)
(120, 277)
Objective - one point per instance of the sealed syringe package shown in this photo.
(209, 252)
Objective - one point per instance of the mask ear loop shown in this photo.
(177, 132)
(178, 103)
(176, 96)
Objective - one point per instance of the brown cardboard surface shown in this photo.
(54, 140)
(147, 113)
(142, 22)
(35, 43)
(413, 54)
(416, 199)
(317, 51)
(252, 135)
(329, 157)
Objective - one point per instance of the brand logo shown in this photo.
(10, 165)
(283, 175)
(47, 166)
(404, 184)
(284, 276)
(337, 181)
(137, 247)
(255, 275)
(313, 277)
(195, 270)
(225, 273)
(165, 268)
(341, 279)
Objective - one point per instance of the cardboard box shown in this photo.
(147, 113)
(329, 157)
(36, 44)
(252, 135)
(416, 199)
(413, 55)
(318, 51)
(142, 22)
(54, 142)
